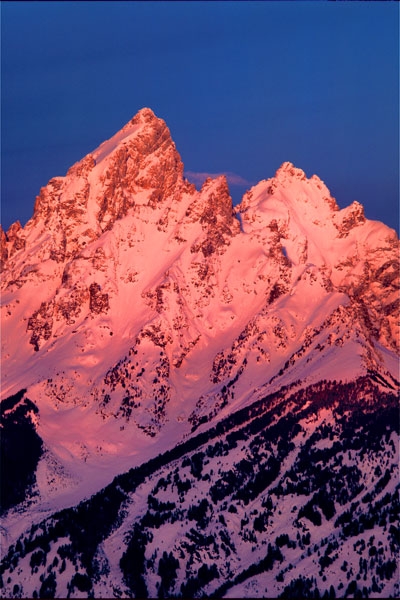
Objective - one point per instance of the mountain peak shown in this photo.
(287, 171)
(212, 183)
(144, 123)
(145, 115)
(131, 190)
(137, 164)
(288, 176)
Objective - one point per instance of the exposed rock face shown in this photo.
(15, 238)
(214, 211)
(3, 249)
(350, 218)
(98, 302)
(41, 324)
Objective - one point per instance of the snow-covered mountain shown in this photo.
(146, 328)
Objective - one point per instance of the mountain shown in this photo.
(198, 399)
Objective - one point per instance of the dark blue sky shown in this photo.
(243, 87)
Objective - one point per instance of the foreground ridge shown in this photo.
(159, 494)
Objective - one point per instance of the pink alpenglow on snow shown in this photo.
(184, 374)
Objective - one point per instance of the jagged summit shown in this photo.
(152, 133)
(141, 162)
(287, 170)
(146, 115)
(138, 166)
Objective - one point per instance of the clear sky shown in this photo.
(243, 87)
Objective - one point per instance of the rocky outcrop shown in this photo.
(145, 161)
(349, 218)
(15, 238)
(3, 249)
(213, 209)
(98, 302)
(41, 325)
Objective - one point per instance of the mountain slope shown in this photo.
(296, 484)
(138, 313)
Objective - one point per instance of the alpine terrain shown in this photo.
(198, 400)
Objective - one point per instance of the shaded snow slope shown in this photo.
(296, 493)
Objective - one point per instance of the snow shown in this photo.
(106, 148)
(219, 303)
